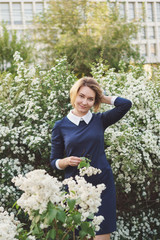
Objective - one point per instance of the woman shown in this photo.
(81, 134)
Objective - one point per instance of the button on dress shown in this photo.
(87, 140)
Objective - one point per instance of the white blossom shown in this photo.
(89, 171)
(39, 189)
(8, 225)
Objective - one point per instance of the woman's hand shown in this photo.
(69, 161)
(106, 99)
(73, 161)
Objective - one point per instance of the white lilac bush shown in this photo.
(30, 102)
(10, 228)
(133, 149)
(8, 225)
(33, 99)
(56, 213)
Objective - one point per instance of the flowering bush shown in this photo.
(32, 100)
(55, 213)
(8, 225)
(132, 146)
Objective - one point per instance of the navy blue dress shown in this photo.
(87, 140)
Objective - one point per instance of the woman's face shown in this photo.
(85, 99)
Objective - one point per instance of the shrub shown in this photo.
(132, 147)
(30, 103)
(32, 100)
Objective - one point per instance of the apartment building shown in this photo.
(18, 14)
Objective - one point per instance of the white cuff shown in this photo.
(113, 100)
(57, 165)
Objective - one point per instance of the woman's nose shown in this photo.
(84, 101)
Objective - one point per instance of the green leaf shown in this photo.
(91, 231)
(37, 218)
(71, 203)
(91, 216)
(15, 204)
(51, 234)
(51, 215)
(82, 234)
(85, 226)
(84, 163)
(36, 230)
(61, 216)
(77, 218)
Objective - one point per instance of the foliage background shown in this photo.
(9, 44)
(83, 30)
(32, 100)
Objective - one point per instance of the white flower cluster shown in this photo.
(89, 171)
(29, 106)
(17, 56)
(134, 140)
(97, 221)
(8, 225)
(139, 227)
(88, 197)
(39, 189)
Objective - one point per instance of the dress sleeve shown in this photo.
(112, 116)
(57, 146)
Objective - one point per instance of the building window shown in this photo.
(28, 13)
(142, 33)
(159, 32)
(151, 32)
(150, 17)
(153, 49)
(17, 13)
(122, 10)
(39, 8)
(131, 11)
(158, 11)
(112, 5)
(143, 50)
(5, 13)
(141, 11)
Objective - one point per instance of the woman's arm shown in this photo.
(57, 159)
(122, 106)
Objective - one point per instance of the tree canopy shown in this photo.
(9, 44)
(83, 31)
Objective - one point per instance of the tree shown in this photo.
(83, 31)
(9, 44)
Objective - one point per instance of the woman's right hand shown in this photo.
(73, 161)
(69, 161)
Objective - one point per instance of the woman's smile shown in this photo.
(84, 101)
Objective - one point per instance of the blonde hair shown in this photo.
(91, 83)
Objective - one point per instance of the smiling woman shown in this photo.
(84, 101)
(81, 134)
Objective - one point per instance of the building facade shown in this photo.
(18, 15)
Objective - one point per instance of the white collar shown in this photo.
(76, 120)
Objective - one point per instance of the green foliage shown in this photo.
(9, 44)
(84, 163)
(84, 30)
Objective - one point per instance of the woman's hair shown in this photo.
(91, 83)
